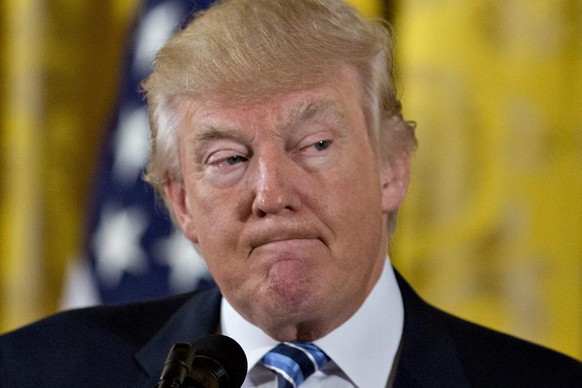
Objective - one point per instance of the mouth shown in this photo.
(299, 250)
(282, 239)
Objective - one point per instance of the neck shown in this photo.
(300, 332)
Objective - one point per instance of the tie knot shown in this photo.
(294, 362)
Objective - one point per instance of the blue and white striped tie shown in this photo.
(294, 362)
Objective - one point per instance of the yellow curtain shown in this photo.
(59, 64)
(492, 227)
(370, 8)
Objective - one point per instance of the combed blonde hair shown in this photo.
(249, 49)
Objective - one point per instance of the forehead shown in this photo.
(339, 99)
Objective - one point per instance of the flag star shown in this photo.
(156, 27)
(117, 245)
(186, 264)
(131, 145)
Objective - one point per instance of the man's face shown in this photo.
(287, 202)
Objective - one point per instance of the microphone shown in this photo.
(178, 365)
(215, 361)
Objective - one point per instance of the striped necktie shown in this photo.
(294, 362)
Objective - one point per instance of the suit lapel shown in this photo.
(198, 317)
(429, 357)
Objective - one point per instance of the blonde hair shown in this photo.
(249, 49)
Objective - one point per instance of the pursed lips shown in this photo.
(283, 240)
(288, 249)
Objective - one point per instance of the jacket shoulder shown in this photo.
(490, 358)
(81, 346)
(134, 322)
(440, 349)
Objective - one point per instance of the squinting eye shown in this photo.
(234, 159)
(322, 144)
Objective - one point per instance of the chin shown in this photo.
(292, 290)
(297, 301)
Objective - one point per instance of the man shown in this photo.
(280, 150)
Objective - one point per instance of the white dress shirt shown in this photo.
(362, 349)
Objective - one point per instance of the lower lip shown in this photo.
(288, 249)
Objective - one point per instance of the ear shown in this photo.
(178, 200)
(395, 178)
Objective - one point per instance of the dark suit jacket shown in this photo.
(126, 346)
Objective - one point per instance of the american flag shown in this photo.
(132, 251)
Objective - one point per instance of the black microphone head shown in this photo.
(226, 352)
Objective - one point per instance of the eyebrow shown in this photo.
(300, 113)
(313, 110)
(209, 133)
(212, 132)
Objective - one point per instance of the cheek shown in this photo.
(357, 190)
(354, 206)
(218, 226)
(202, 214)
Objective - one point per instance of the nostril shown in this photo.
(269, 202)
(275, 189)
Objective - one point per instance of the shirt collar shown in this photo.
(366, 359)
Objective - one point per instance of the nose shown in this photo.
(275, 186)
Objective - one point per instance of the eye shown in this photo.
(232, 160)
(225, 159)
(322, 145)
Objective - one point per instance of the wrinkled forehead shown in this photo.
(288, 120)
(337, 100)
(335, 96)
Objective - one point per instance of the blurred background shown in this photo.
(491, 229)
